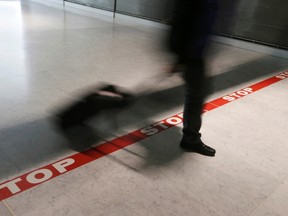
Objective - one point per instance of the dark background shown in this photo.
(260, 21)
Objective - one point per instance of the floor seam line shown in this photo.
(10, 210)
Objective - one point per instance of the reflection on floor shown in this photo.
(50, 57)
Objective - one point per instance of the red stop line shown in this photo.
(48, 172)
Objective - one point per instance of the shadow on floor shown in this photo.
(34, 143)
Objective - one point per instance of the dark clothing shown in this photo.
(191, 26)
(195, 93)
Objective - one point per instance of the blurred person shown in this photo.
(191, 25)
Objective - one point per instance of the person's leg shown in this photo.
(194, 98)
(196, 91)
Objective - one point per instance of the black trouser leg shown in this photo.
(195, 81)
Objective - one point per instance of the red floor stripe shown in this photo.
(43, 174)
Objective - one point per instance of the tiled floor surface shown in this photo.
(50, 56)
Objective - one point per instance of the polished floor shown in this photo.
(50, 56)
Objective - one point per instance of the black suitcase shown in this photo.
(107, 97)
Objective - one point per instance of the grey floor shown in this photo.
(50, 56)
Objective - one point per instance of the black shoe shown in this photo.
(197, 146)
